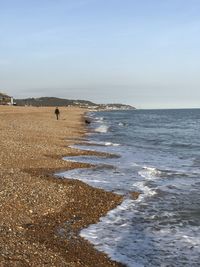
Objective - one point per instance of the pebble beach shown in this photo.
(41, 215)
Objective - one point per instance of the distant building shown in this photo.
(5, 99)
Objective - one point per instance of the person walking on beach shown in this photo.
(57, 112)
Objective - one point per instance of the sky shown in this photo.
(145, 53)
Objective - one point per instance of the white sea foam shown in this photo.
(102, 129)
(111, 144)
(121, 124)
(146, 191)
(99, 119)
(150, 172)
(161, 227)
(101, 143)
(131, 236)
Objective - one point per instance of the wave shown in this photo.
(161, 226)
(122, 124)
(110, 144)
(99, 119)
(150, 172)
(100, 143)
(102, 129)
(146, 191)
(154, 173)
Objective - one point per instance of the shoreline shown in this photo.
(42, 215)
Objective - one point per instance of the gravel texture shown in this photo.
(41, 215)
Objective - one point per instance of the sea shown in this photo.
(155, 153)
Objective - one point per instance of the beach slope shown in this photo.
(40, 215)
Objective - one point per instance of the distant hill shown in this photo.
(50, 101)
(60, 102)
(115, 106)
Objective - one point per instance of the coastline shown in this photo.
(41, 215)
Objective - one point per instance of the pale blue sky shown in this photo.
(140, 52)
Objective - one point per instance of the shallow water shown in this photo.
(159, 156)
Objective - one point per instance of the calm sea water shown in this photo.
(159, 156)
